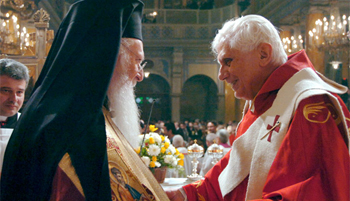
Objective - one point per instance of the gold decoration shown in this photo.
(200, 197)
(313, 112)
(65, 165)
(41, 16)
(271, 129)
(14, 37)
(198, 183)
(25, 8)
(334, 114)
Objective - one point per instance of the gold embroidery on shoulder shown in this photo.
(334, 114)
(200, 197)
(198, 183)
(315, 112)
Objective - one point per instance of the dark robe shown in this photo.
(64, 113)
(11, 121)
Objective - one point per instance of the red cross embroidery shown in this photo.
(275, 127)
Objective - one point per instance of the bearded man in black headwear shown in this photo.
(61, 135)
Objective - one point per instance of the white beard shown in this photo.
(125, 112)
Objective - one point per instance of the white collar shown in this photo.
(3, 118)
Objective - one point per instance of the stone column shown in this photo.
(41, 22)
(315, 55)
(176, 83)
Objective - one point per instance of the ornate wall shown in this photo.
(177, 42)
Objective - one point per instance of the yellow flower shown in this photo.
(154, 158)
(166, 144)
(181, 156)
(137, 150)
(152, 128)
(162, 137)
(169, 153)
(180, 162)
(152, 164)
(177, 152)
(151, 140)
(162, 150)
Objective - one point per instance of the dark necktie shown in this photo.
(9, 123)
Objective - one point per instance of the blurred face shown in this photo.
(11, 95)
(183, 126)
(241, 71)
(209, 143)
(119, 177)
(211, 127)
(165, 131)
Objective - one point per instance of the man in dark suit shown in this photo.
(184, 132)
(14, 77)
(169, 130)
(64, 113)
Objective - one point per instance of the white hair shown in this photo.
(247, 33)
(211, 137)
(121, 97)
(223, 135)
(178, 141)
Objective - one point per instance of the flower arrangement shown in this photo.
(157, 151)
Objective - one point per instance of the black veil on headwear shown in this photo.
(63, 114)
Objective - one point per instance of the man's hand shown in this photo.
(175, 195)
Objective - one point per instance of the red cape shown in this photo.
(313, 161)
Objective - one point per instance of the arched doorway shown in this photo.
(155, 87)
(199, 99)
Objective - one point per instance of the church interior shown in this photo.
(181, 75)
(189, 135)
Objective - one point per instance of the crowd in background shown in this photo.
(204, 133)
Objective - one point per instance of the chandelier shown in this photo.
(330, 35)
(293, 44)
(14, 38)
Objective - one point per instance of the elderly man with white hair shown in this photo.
(179, 144)
(293, 140)
(222, 137)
